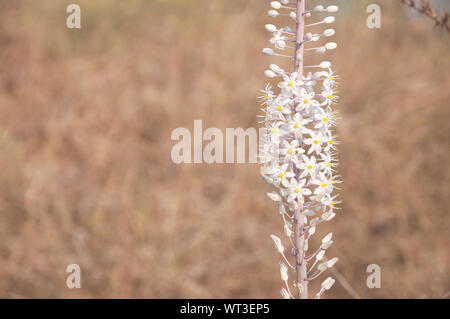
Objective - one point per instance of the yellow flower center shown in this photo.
(297, 190)
(330, 96)
(266, 96)
(290, 151)
(273, 130)
(325, 119)
(331, 78)
(291, 84)
(281, 175)
(331, 203)
(296, 125)
(305, 101)
(279, 108)
(330, 142)
(323, 185)
(328, 163)
(309, 166)
(316, 142)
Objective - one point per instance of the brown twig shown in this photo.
(344, 283)
(425, 7)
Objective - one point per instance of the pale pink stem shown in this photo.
(299, 233)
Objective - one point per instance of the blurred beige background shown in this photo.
(85, 169)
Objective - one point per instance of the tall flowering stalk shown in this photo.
(298, 151)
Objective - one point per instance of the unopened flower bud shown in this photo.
(329, 32)
(293, 15)
(319, 8)
(331, 45)
(321, 50)
(270, 74)
(320, 255)
(275, 5)
(328, 283)
(329, 19)
(332, 9)
(326, 241)
(284, 294)
(332, 262)
(325, 65)
(268, 51)
(272, 13)
(274, 196)
(281, 209)
(315, 37)
(284, 271)
(327, 216)
(288, 229)
(278, 243)
(271, 28)
(314, 221)
(322, 267)
(275, 68)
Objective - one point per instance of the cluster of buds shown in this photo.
(298, 151)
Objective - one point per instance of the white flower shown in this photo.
(315, 142)
(280, 174)
(274, 131)
(306, 100)
(330, 80)
(331, 143)
(324, 119)
(323, 185)
(308, 166)
(297, 190)
(297, 125)
(330, 201)
(267, 94)
(290, 83)
(279, 107)
(329, 95)
(327, 163)
(279, 40)
(291, 150)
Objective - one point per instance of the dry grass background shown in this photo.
(85, 169)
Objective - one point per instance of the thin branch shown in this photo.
(425, 7)
(344, 283)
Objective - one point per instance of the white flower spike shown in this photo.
(298, 153)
